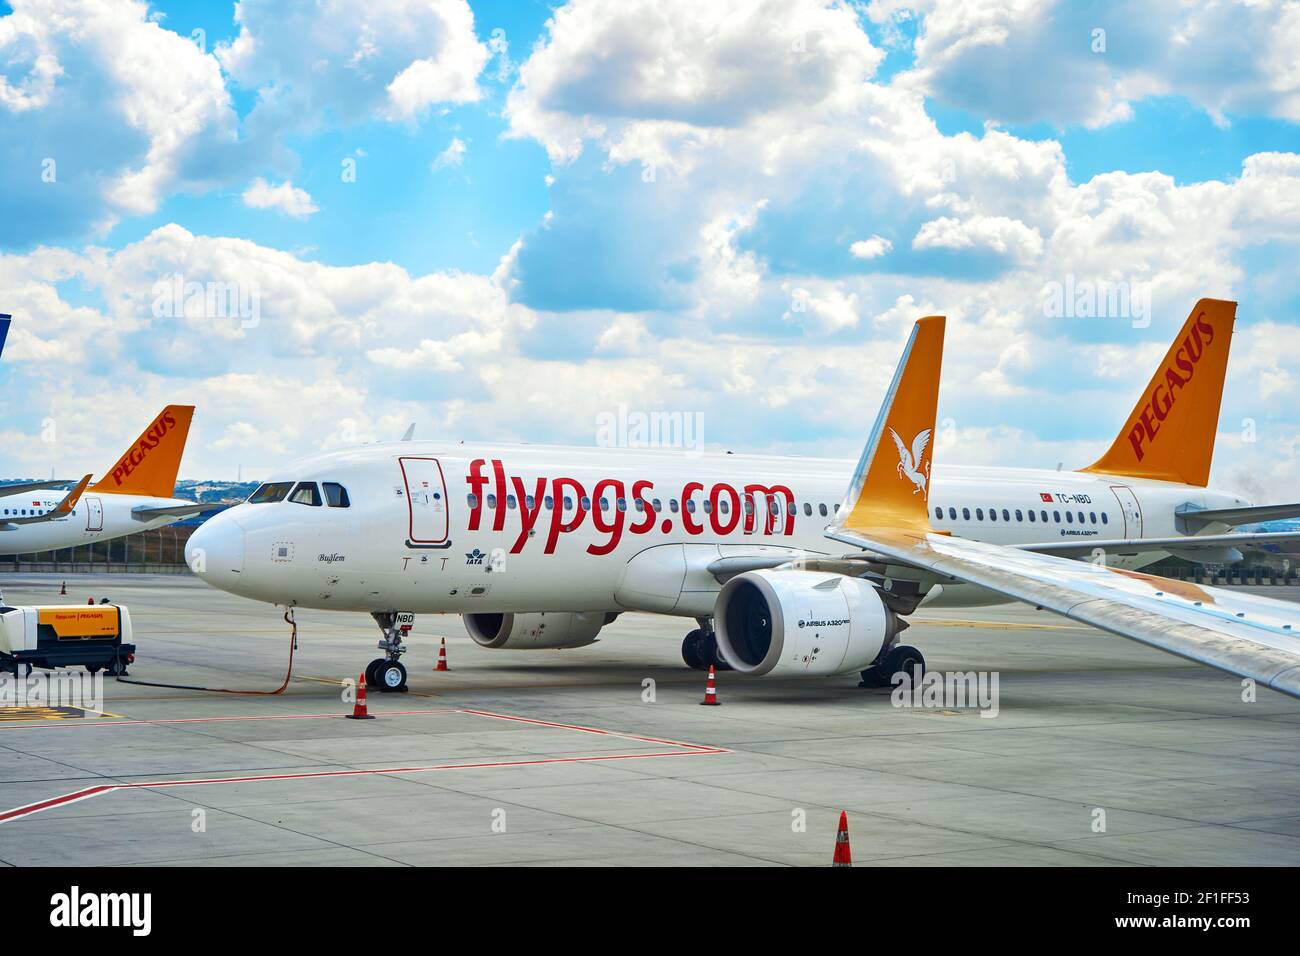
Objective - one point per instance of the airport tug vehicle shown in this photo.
(92, 636)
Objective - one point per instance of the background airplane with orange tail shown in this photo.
(136, 494)
(540, 547)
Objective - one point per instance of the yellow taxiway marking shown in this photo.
(11, 714)
(998, 625)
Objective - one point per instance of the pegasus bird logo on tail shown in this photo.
(909, 462)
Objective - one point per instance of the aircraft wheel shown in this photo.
(693, 649)
(905, 659)
(874, 676)
(714, 656)
(372, 671)
(391, 676)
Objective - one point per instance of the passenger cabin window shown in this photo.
(1104, 519)
(306, 493)
(336, 496)
(270, 492)
(821, 509)
(938, 513)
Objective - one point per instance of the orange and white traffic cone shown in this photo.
(359, 709)
(710, 691)
(442, 656)
(63, 588)
(843, 856)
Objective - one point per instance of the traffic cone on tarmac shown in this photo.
(359, 709)
(442, 656)
(63, 588)
(90, 600)
(843, 856)
(710, 691)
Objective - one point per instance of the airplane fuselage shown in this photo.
(98, 516)
(438, 528)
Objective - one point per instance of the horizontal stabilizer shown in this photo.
(1180, 544)
(144, 513)
(1249, 514)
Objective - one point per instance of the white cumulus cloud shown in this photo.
(285, 197)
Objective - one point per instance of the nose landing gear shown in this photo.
(388, 673)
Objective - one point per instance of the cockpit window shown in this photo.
(306, 493)
(336, 496)
(270, 492)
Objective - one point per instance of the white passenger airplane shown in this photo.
(540, 547)
(135, 495)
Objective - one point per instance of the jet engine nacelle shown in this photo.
(801, 623)
(537, 631)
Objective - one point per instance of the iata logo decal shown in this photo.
(475, 557)
(909, 462)
(1163, 395)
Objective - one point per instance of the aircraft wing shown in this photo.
(1182, 545)
(27, 487)
(1241, 633)
(62, 509)
(143, 513)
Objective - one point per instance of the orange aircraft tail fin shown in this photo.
(891, 485)
(1169, 435)
(150, 465)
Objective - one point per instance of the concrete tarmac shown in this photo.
(1102, 752)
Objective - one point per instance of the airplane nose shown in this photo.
(215, 552)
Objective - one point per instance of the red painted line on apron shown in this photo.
(90, 792)
(684, 750)
(60, 801)
(597, 730)
(109, 722)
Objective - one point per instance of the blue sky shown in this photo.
(734, 208)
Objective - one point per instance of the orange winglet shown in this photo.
(150, 465)
(891, 486)
(1169, 435)
(70, 500)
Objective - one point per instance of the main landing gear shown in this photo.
(901, 658)
(388, 673)
(700, 648)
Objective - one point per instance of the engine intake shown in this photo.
(538, 631)
(801, 623)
